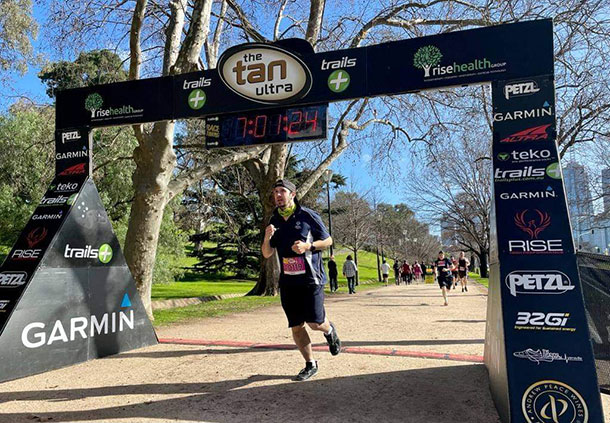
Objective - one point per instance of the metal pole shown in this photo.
(330, 219)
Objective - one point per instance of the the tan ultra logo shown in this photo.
(264, 73)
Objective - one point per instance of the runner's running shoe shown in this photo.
(309, 371)
(334, 343)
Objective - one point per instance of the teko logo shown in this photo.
(70, 136)
(535, 133)
(12, 279)
(103, 253)
(550, 401)
(530, 155)
(519, 89)
(264, 73)
(538, 282)
(65, 187)
(537, 320)
(536, 112)
(3, 304)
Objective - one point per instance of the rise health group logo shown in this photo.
(94, 103)
(429, 59)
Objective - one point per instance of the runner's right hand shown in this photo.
(269, 231)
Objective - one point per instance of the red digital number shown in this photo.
(293, 123)
(313, 121)
(257, 127)
(277, 124)
(243, 131)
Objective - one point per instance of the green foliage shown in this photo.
(427, 56)
(17, 29)
(90, 68)
(26, 165)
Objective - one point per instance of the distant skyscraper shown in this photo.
(580, 202)
(606, 189)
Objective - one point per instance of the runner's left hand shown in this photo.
(300, 247)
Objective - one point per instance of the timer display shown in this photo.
(267, 127)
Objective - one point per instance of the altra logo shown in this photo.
(265, 73)
(538, 282)
(518, 89)
(78, 169)
(535, 133)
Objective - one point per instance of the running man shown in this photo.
(442, 270)
(454, 271)
(385, 272)
(463, 264)
(298, 235)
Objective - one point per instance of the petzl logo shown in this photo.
(12, 279)
(70, 136)
(538, 282)
(550, 401)
(535, 133)
(78, 169)
(264, 73)
(519, 89)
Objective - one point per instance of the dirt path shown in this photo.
(172, 382)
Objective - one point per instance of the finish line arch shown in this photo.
(57, 300)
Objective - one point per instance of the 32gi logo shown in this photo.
(542, 321)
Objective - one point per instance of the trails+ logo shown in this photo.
(535, 133)
(536, 320)
(544, 356)
(545, 110)
(78, 169)
(94, 103)
(12, 279)
(265, 73)
(344, 62)
(527, 173)
(69, 136)
(529, 195)
(60, 200)
(526, 156)
(428, 58)
(199, 83)
(533, 228)
(103, 253)
(538, 282)
(550, 401)
(519, 89)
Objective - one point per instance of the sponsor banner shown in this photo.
(555, 401)
(255, 76)
(72, 151)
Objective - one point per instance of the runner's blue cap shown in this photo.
(286, 184)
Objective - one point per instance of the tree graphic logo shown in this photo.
(426, 57)
(93, 102)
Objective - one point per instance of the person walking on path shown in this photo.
(406, 272)
(417, 271)
(385, 272)
(442, 270)
(332, 274)
(298, 235)
(396, 272)
(349, 271)
(463, 264)
(423, 271)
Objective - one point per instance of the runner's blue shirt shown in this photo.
(304, 225)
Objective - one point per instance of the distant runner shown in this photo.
(298, 235)
(385, 272)
(463, 264)
(442, 270)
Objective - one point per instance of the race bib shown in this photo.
(293, 265)
(462, 268)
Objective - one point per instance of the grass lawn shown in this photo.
(478, 279)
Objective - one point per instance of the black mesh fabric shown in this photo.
(594, 272)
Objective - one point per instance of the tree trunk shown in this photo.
(357, 280)
(155, 161)
(483, 262)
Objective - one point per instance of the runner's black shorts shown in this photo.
(303, 303)
(462, 273)
(445, 281)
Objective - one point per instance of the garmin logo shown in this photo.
(37, 334)
(201, 82)
(72, 155)
(538, 282)
(264, 73)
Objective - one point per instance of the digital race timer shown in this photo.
(266, 127)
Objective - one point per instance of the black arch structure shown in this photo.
(537, 347)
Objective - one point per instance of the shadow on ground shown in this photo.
(401, 396)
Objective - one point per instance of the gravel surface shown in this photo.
(170, 383)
